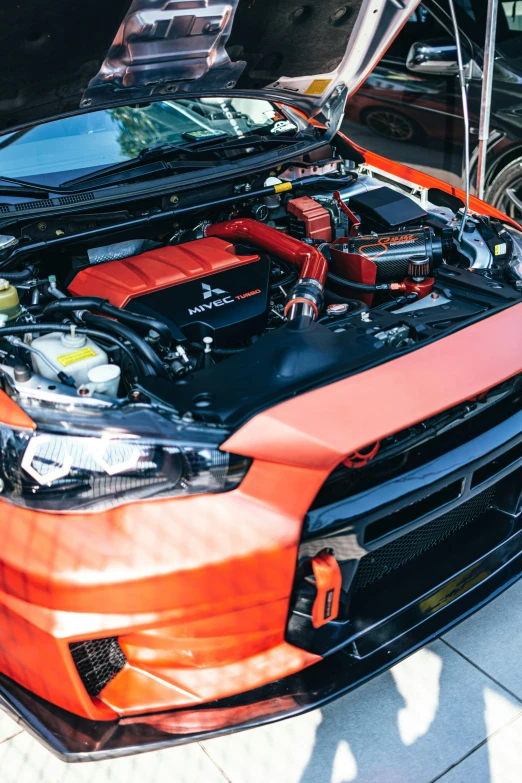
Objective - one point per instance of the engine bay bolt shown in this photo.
(21, 373)
(208, 344)
(41, 226)
(135, 395)
(174, 199)
(365, 318)
(181, 352)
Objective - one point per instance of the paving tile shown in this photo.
(24, 760)
(497, 761)
(8, 726)
(492, 639)
(408, 725)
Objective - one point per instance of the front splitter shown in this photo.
(73, 738)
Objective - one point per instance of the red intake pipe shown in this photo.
(306, 298)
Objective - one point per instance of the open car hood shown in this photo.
(65, 57)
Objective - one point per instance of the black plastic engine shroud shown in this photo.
(228, 306)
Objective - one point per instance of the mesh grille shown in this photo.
(76, 199)
(4, 208)
(42, 204)
(378, 564)
(98, 661)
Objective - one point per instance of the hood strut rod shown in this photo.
(465, 114)
(485, 100)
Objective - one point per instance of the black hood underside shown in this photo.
(64, 57)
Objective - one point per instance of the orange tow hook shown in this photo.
(328, 580)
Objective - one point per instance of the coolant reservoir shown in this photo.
(9, 302)
(71, 353)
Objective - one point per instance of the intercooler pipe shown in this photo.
(305, 300)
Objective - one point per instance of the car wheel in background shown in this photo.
(505, 192)
(390, 124)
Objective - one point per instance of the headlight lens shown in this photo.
(96, 461)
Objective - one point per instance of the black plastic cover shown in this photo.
(384, 208)
(229, 306)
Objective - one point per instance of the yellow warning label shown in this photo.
(501, 249)
(76, 356)
(317, 87)
(281, 186)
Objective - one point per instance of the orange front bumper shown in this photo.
(197, 589)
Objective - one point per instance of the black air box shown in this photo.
(384, 208)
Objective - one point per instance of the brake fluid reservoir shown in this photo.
(71, 353)
(9, 302)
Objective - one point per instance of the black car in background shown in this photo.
(412, 102)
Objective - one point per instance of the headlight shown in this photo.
(97, 460)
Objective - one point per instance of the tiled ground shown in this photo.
(451, 713)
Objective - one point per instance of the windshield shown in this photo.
(87, 142)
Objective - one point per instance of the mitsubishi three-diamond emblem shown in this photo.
(208, 291)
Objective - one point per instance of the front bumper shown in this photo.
(221, 569)
(73, 738)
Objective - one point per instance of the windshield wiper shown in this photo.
(139, 167)
(132, 170)
(22, 187)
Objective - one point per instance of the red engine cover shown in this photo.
(122, 280)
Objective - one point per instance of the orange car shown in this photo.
(260, 402)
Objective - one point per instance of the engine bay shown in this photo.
(298, 277)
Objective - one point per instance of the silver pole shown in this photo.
(465, 114)
(485, 101)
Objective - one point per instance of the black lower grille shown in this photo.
(377, 564)
(98, 661)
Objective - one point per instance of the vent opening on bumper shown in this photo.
(394, 522)
(375, 565)
(97, 661)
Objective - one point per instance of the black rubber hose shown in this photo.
(140, 322)
(366, 287)
(18, 277)
(143, 349)
(24, 328)
(104, 306)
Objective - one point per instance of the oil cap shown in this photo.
(335, 310)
